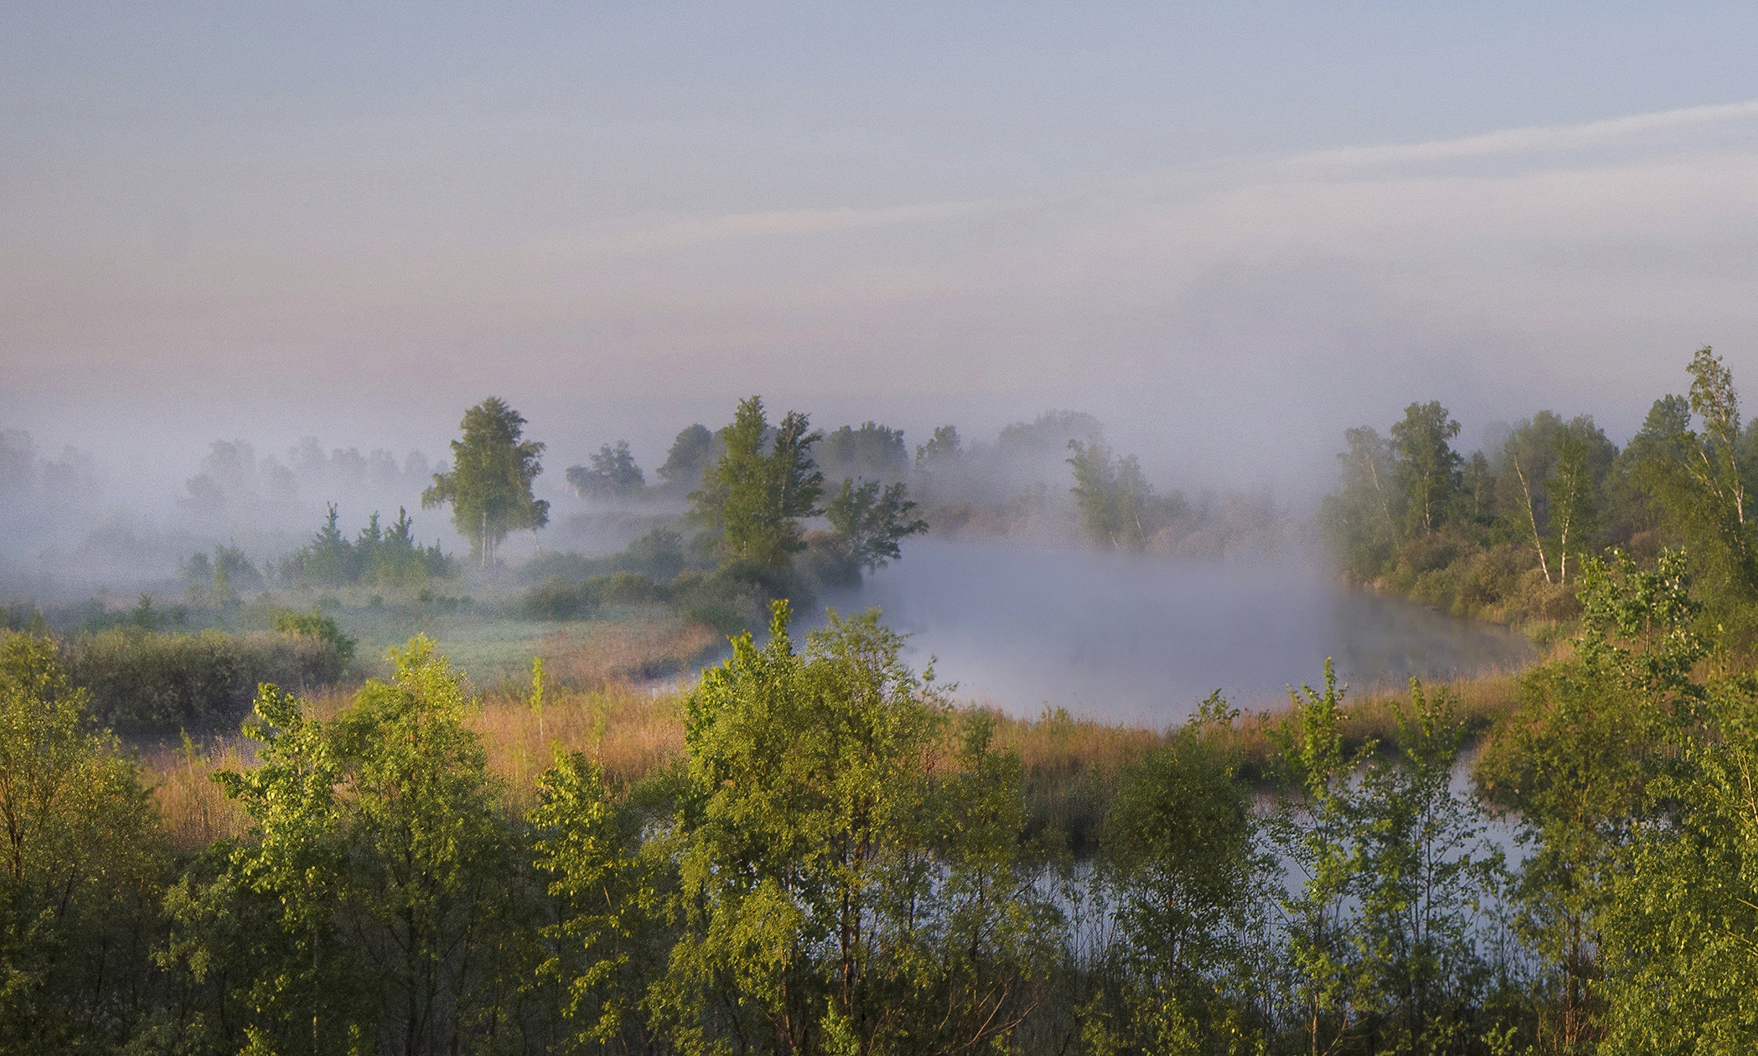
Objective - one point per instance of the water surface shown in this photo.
(1142, 639)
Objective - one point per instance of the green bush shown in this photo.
(828, 563)
(315, 624)
(715, 600)
(143, 682)
(557, 598)
(620, 588)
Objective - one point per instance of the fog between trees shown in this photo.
(837, 857)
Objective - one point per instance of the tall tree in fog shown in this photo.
(1362, 519)
(757, 497)
(873, 451)
(1694, 479)
(943, 446)
(613, 474)
(691, 452)
(1428, 469)
(870, 522)
(489, 484)
(1114, 498)
(1552, 474)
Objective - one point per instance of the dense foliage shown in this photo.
(1506, 532)
(839, 863)
(378, 557)
(141, 681)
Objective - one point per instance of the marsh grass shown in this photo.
(1072, 767)
(195, 810)
(629, 730)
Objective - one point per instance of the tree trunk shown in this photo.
(1532, 519)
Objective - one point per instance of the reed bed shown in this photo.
(1072, 767)
(195, 811)
(601, 653)
(628, 729)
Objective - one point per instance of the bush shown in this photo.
(620, 588)
(718, 601)
(828, 562)
(560, 598)
(142, 682)
(315, 624)
(658, 555)
(556, 598)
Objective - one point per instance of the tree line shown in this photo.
(1506, 531)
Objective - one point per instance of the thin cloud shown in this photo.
(1196, 181)
(1537, 139)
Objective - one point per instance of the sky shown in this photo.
(1231, 231)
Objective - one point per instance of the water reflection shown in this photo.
(1136, 639)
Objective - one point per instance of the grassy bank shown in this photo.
(1072, 766)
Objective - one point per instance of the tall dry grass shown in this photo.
(1071, 769)
(1072, 766)
(629, 730)
(195, 810)
(607, 653)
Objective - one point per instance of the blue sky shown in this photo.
(1231, 231)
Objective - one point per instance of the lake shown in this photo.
(1128, 638)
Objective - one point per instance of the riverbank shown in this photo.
(1071, 766)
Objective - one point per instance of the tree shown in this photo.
(602, 897)
(762, 487)
(942, 448)
(1553, 474)
(327, 559)
(489, 484)
(81, 864)
(1428, 469)
(614, 474)
(1426, 873)
(842, 892)
(1579, 762)
(1190, 886)
(873, 451)
(1361, 522)
(689, 457)
(1681, 965)
(378, 902)
(1318, 834)
(869, 523)
(1693, 479)
(1114, 498)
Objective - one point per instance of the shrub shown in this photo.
(315, 624)
(828, 562)
(716, 601)
(620, 588)
(142, 682)
(556, 598)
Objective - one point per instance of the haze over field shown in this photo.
(1228, 232)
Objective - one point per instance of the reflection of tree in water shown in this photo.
(1384, 640)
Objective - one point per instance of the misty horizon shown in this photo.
(1229, 235)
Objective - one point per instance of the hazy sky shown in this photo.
(1230, 230)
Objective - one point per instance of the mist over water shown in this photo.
(1143, 639)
